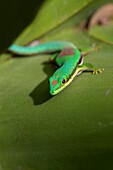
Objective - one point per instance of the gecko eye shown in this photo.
(63, 81)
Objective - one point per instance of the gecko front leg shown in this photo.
(88, 67)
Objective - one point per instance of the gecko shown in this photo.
(66, 55)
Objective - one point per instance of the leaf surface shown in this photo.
(72, 130)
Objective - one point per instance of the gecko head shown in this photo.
(57, 84)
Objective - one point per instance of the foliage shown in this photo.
(72, 130)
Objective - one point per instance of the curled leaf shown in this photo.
(101, 16)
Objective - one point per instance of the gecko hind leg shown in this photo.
(52, 60)
(90, 50)
(53, 57)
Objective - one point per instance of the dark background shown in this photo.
(15, 15)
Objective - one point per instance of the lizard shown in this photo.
(67, 56)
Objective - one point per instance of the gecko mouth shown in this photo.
(56, 91)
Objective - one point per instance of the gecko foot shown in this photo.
(96, 71)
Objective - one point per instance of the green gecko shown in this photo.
(68, 57)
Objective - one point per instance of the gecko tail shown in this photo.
(20, 50)
(47, 47)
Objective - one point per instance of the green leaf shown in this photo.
(72, 130)
(103, 33)
(51, 15)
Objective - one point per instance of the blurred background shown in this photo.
(15, 15)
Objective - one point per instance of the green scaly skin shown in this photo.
(68, 58)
